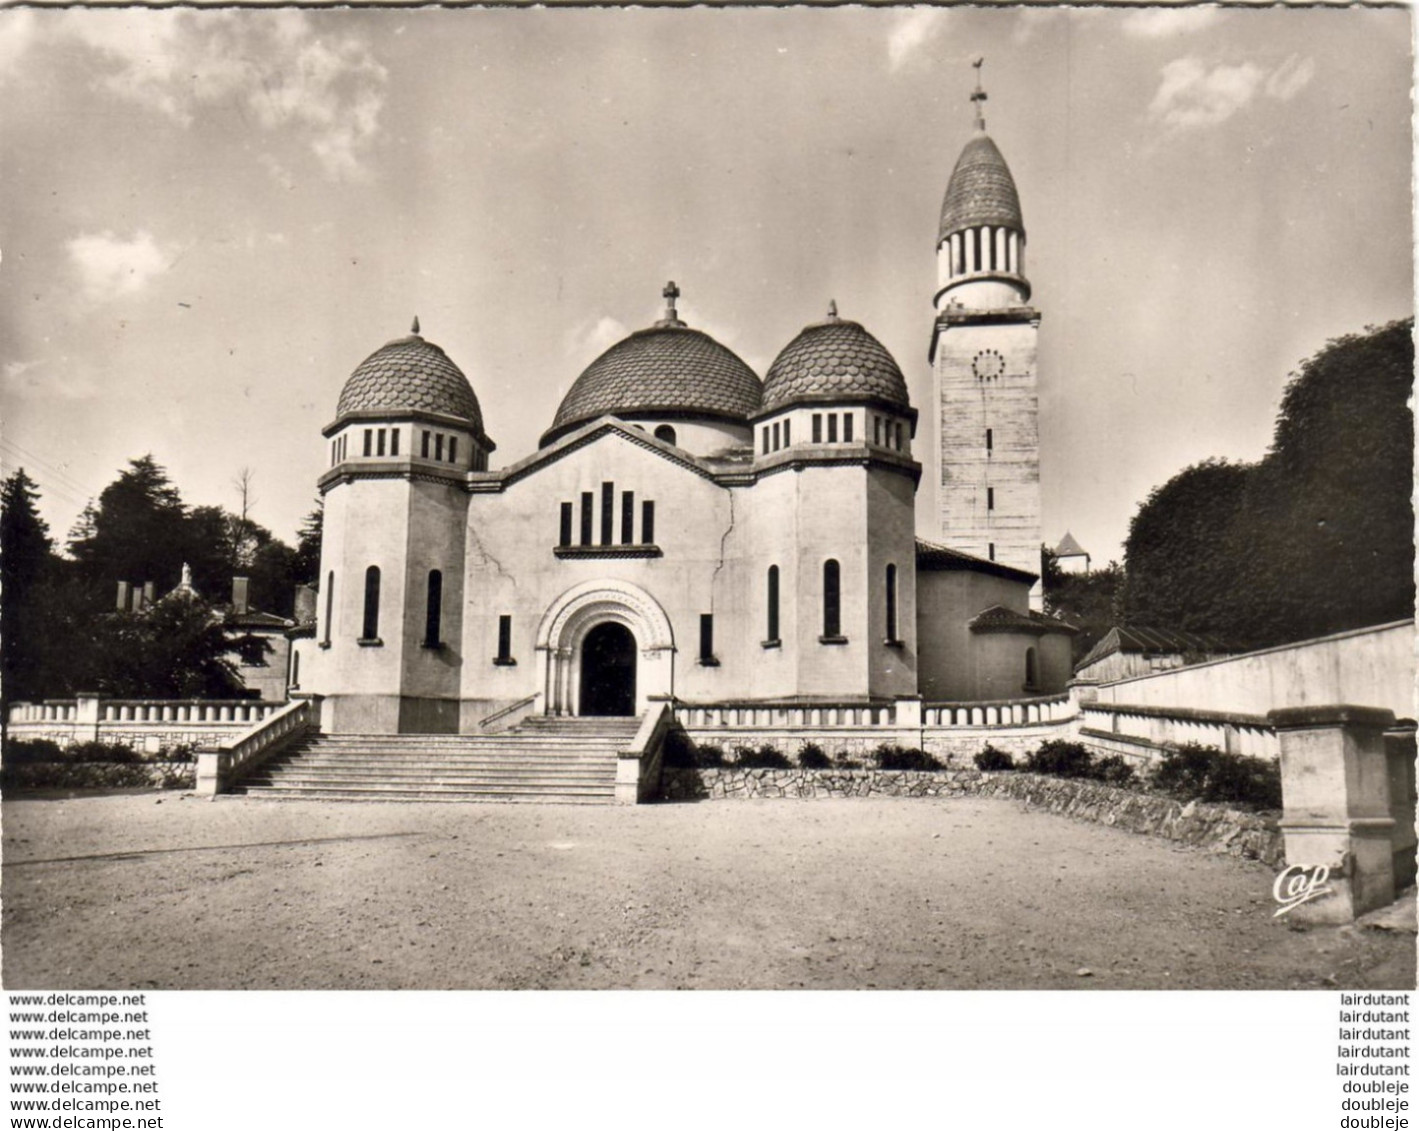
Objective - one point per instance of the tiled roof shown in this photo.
(981, 190)
(410, 375)
(1069, 548)
(255, 619)
(834, 360)
(931, 556)
(998, 618)
(1139, 640)
(667, 368)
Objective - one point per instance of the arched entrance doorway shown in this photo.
(608, 671)
(590, 668)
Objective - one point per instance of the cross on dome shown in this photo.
(978, 96)
(670, 293)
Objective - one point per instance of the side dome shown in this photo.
(835, 360)
(409, 375)
(666, 370)
(981, 191)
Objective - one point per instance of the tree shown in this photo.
(1088, 601)
(175, 649)
(1316, 538)
(25, 562)
(137, 531)
(1180, 573)
(307, 563)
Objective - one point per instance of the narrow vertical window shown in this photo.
(628, 517)
(438, 447)
(329, 604)
(369, 441)
(585, 538)
(975, 249)
(504, 640)
(891, 604)
(379, 442)
(847, 428)
(991, 551)
(608, 513)
(832, 599)
(369, 629)
(817, 428)
(832, 427)
(334, 452)
(786, 440)
(564, 530)
(990, 498)
(295, 669)
(766, 440)
(900, 445)
(433, 609)
(647, 522)
(773, 636)
(877, 430)
(1032, 675)
(424, 446)
(777, 438)
(706, 638)
(453, 449)
(989, 440)
(394, 441)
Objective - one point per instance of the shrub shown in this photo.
(184, 752)
(766, 757)
(1203, 773)
(812, 757)
(678, 752)
(1061, 759)
(991, 759)
(21, 752)
(847, 760)
(115, 752)
(891, 757)
(709, 755)
(1113, 770)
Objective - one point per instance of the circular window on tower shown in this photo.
(988, 365)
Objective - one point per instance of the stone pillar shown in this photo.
(88, 710)
(1335, 792)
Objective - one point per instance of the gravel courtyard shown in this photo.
(145, 890)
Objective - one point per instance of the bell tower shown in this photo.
(984, 363)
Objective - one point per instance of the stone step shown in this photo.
(471, 761)
(327, 794)
(322, 773)
(381, 785)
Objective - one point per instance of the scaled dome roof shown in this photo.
(981, 190)
(668, 368)
(409, 375)
(834, 360)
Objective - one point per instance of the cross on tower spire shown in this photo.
(670, 293)
(978, 96)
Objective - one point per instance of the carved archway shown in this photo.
(583, 607)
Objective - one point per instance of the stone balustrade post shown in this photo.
(88, 711)
(1336, 796)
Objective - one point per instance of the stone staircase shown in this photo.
(565, 761)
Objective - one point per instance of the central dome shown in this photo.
(666, 370)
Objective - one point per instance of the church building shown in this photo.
(688, 530)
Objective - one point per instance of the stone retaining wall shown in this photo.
(1213, 828)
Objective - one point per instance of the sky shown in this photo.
(209, 218)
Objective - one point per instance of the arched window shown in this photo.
(370, 628)
(433, 611)
(1032, 675)
(329, 604)
(666, 433)
(891, 604)
(832, 599)
(773, 636)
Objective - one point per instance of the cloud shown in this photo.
(911, 31)
(590, 340)
(328, 89)
(17, 33)
(1192, 94)
(1290, 78)
(1159, 23)
(111, 268)
(1029, 22)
